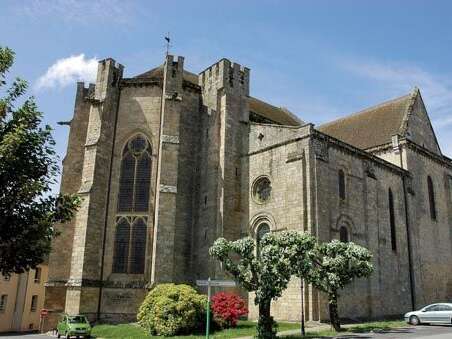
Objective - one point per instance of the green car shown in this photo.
(73, 326)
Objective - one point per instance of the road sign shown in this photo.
(216, 283)
(209, 283)
(44, 313)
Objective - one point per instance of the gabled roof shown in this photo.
(275, 114)
(157, 73)
(373, 126)
(279, 115)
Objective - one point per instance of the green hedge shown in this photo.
(171, 309)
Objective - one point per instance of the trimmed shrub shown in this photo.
(227, 309)
(171, 309)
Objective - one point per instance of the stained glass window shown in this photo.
(138, 250)
(133, 203)
(121, 254)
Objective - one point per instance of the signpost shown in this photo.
(42, 318)
(209, 283)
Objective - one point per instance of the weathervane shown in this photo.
(168, 45)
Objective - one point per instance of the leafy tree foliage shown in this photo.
(336, 265)
(171, 309)
(267, 275)
(227, 308)
(28, 166)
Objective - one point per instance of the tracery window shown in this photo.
(392, 220)
(431, 198)
(341, 184)
(133, 207)
(262, 190)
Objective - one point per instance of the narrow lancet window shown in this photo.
(392, 220)
(341, 178)
(431, 198)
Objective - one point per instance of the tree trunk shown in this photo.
(334, 315)
(266, 328)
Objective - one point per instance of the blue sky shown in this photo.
(320, 59)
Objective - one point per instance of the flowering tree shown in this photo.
(336, 265)
(266, 275)
(228, 308)
(28, 168)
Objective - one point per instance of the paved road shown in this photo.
(430, 332)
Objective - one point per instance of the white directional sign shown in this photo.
(223, 283)
(209, 283)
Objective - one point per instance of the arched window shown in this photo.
(262, 230)
(133, 207)
(343, 234)
(431, 198)
(341, 178)
(135, 180)
(392, 220)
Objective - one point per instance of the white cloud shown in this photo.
(399, 79)
(436, 90)
(67, 71)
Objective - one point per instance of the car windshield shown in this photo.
(77, 320)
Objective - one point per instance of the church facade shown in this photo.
(168, 161)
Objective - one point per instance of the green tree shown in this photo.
(28, 166)
(267, 275)
(336, 265)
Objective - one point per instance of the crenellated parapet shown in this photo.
(226, 75)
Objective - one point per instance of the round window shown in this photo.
(262, 190)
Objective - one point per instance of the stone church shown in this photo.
(168, 161)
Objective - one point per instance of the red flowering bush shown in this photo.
(227, 308)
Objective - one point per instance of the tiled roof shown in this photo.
(277, 114)
(373, 126)
(157, 73)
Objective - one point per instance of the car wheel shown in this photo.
(414, 320)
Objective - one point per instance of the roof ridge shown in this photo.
(367, 110)
(404, 124)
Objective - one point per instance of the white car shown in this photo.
(431, 314)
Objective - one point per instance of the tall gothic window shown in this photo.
(262, 230)
(341, 178)
(392, 220)
(431, 198)
(343, 234)
(133, 207)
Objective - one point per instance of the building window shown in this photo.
(135, 180)
(431, 198)
(392, 220)
(262, 230)
(3, 302)
(341, 178)
(343, 234)
(38, 275)
(262, 190)
(133, 207)
(34, 303)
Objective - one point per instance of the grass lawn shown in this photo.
(350, 329)
(133, 331)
